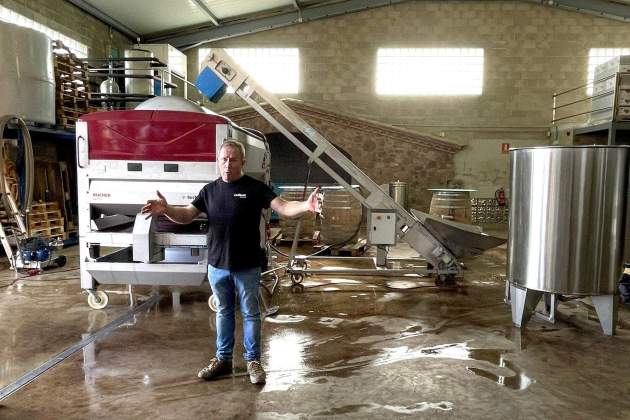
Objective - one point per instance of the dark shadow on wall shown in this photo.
(290, 166)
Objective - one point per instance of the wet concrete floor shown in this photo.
(347, 347)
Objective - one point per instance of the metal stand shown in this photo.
(381, 256)
(524, 302)
(606, 308)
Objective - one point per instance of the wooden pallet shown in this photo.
(69, 112)
(45, 219)
(68, 91)
(45, 214)
(73, 102)
(44, 223)
(67, 122)
(47, 231)
(64, 65)
(41, 206)
(72, 85)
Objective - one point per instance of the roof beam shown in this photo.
(105, 18)
(208, 12)
(601, 8)
(305, 14)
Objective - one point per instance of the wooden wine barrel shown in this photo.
(341, 216)
(287, 226)
(451, 204)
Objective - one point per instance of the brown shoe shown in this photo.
(256, 372)
(217, 367)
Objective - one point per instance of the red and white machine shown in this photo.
(124, 157)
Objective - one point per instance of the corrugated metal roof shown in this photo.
(151, 16)
(169, 16)
(224, 9)
(146, 16)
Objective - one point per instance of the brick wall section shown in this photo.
(530, 51)
(385, 153)
(71, 21)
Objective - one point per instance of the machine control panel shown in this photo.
(382, 226)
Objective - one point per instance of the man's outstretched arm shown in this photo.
(177, 214)
(295, 209)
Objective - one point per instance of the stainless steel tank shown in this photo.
(138, 85)
(567, 218)
(398, 191)
(27, 82)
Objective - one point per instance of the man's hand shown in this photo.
(314, 203)
(155, 207)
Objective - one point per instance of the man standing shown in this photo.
(233, 204)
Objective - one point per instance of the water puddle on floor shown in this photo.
(517, 381)
(343, 281)
(397, 409)
(330, 322)
(403, 284)
(460, 351)
(285, 319)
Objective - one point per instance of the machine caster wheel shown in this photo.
(213, 303)
(98, 299)
(297, 278)
(301, 264)
(297, 288)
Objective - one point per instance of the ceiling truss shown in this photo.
(299, 13)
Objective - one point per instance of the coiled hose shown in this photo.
(29, 164)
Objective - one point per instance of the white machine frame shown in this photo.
(169, 259)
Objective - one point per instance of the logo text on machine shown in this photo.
(240, 195)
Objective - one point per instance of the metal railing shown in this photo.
(169, 80)
(559, 98)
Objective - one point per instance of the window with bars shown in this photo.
(9, 16)
(429, 71)
(597, 56)
(276, 69)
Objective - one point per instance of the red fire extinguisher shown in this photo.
(499, 195)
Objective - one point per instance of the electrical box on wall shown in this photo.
(382, 227)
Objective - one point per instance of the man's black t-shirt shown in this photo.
(234, 211)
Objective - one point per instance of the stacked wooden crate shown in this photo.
(45, 219)
(72, 97)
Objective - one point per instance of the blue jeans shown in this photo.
(225, 284)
